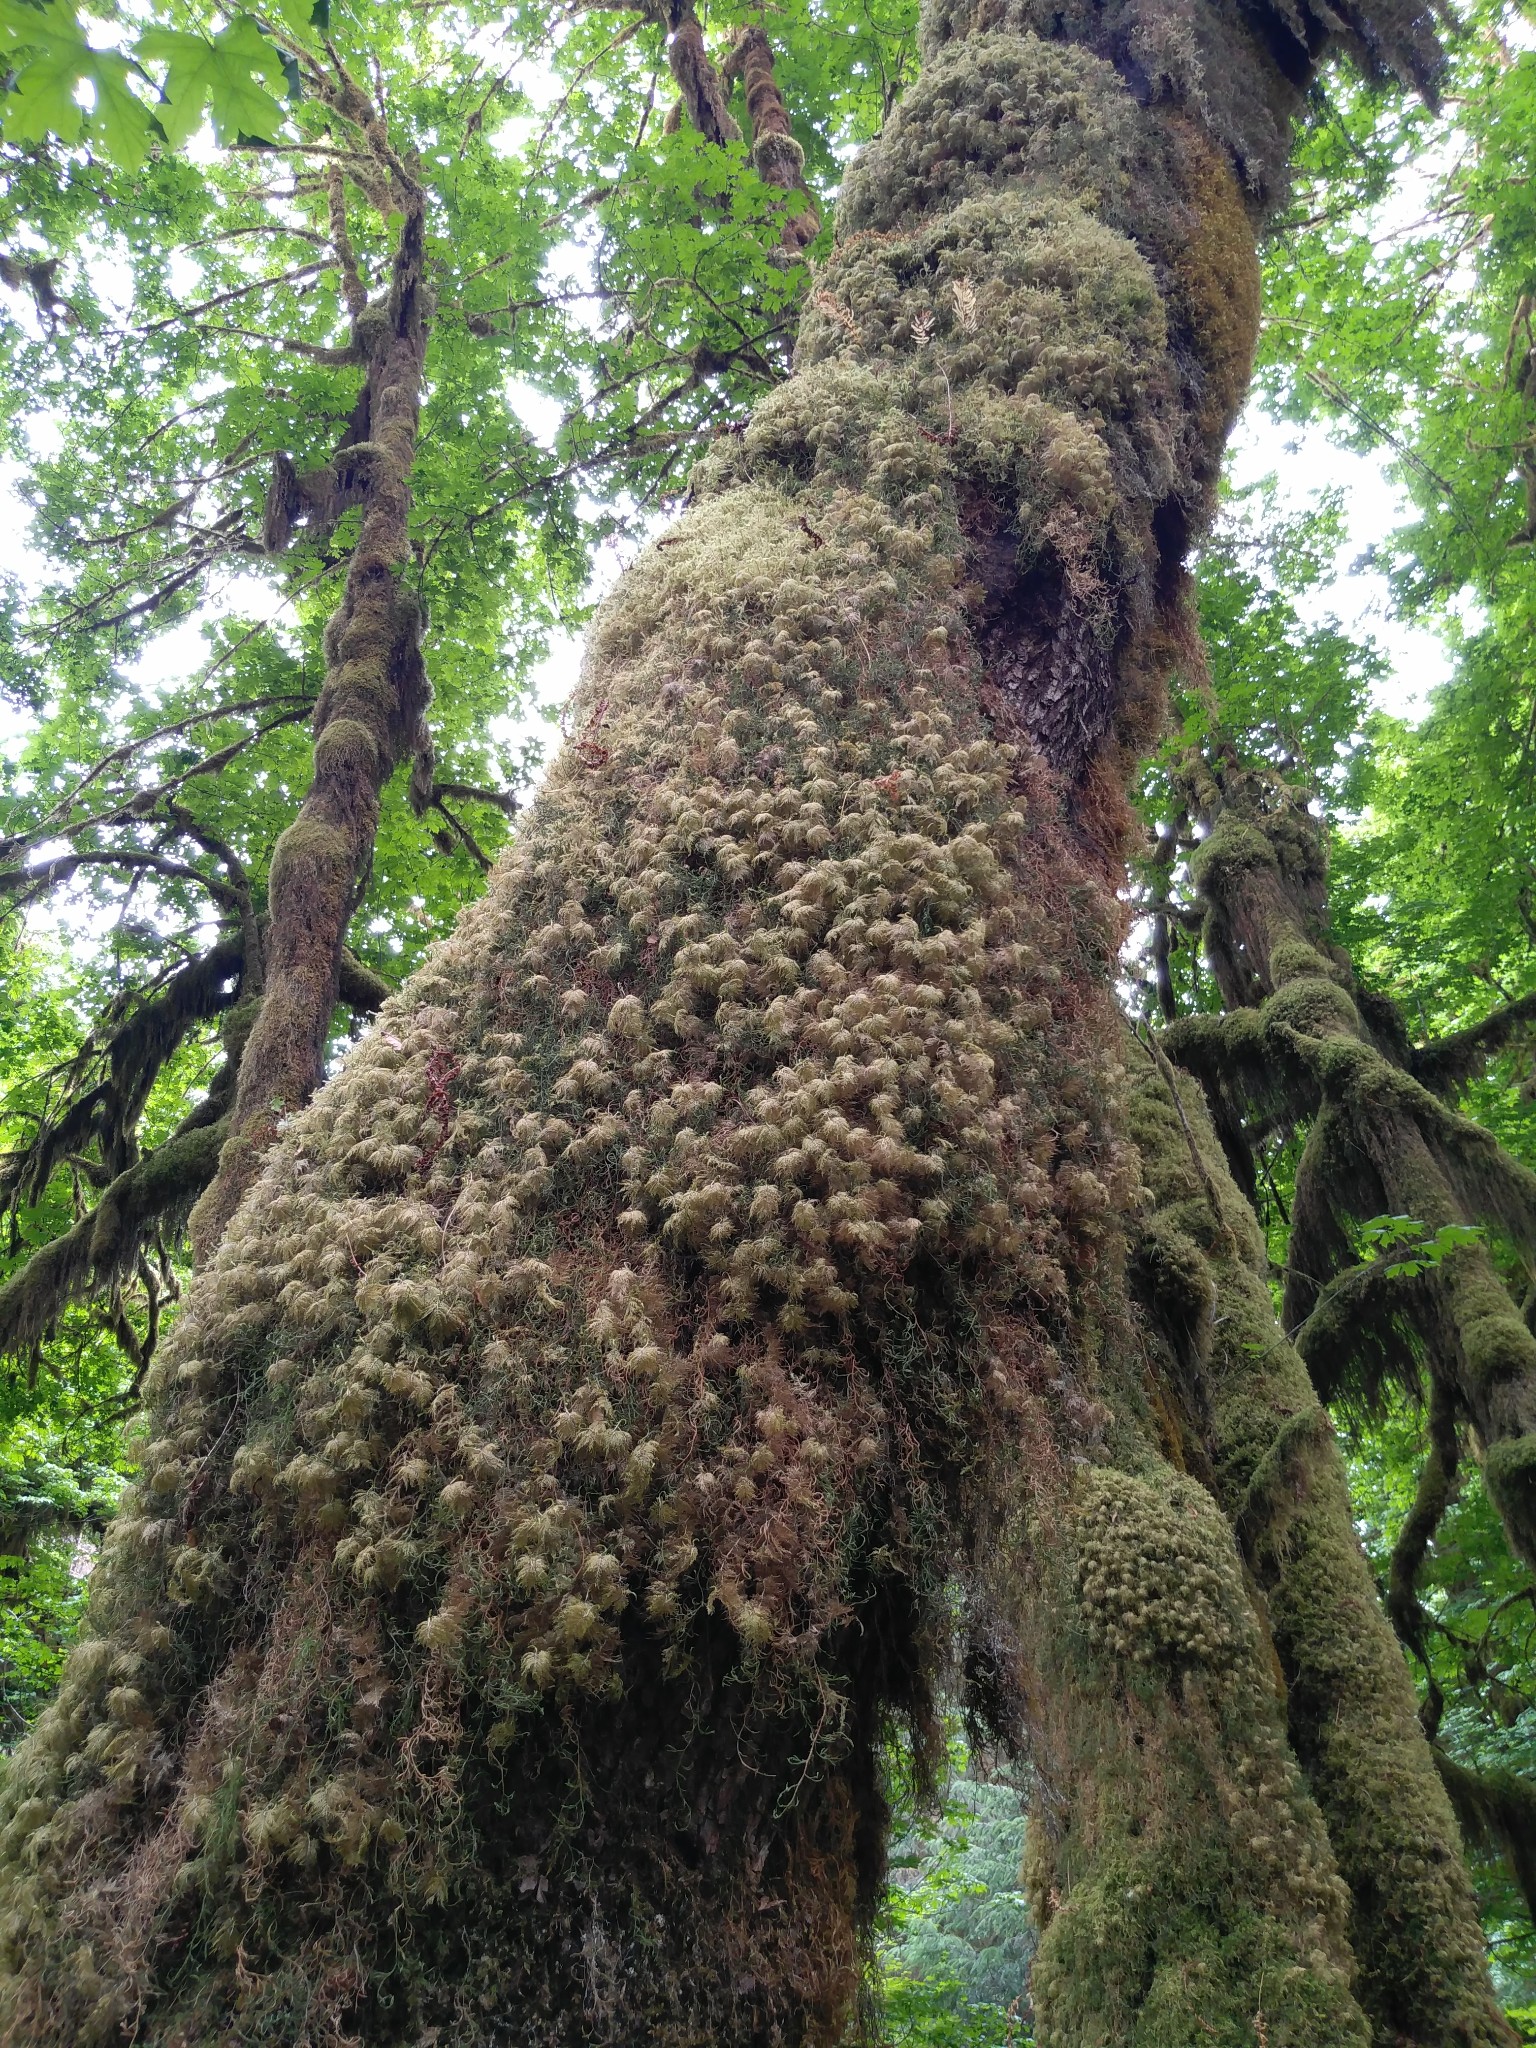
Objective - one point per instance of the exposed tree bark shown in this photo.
(563, 1472)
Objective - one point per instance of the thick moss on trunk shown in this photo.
(559, 1479)
(1242, 1414)
(1179, 1868)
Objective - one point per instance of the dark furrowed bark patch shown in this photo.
(1048, 678)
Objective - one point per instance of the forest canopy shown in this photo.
(349, 352)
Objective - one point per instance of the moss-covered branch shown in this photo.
(362, 990)
(1432, 1496)
(1447, 1062)
(119, 1070)
(1362, 1334)
(369, 719)
(777, 157)
(1497, 1812)
(104, 1244)
(112, 1081)
(703, 92)
(1381, 1139)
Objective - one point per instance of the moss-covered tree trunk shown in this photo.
(1304, 1039)
(561, 1480)
(371, 714)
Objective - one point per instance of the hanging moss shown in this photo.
(1381, 1141)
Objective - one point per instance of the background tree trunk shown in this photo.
(1302, 1033)
(370, 718)
(561, 1477)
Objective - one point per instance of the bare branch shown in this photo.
(120, 756)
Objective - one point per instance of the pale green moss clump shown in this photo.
(1155, 1571)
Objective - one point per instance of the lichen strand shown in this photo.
(1266, 1450)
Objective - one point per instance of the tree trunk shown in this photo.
(369, 719)
(563, 1476)
(1239, 1410)
(1304, 1034)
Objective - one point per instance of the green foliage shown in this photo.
(1411, 1249)
(934, 2012)
(1399, 312)
(131, 109)
(609, 292)
(1291, 695)
(54, 1500)
(1284, 696)
(954, 1922)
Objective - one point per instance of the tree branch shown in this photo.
(1497, 1812)
(243, 291)
(30, 882)
(104, 1243)
(1446, 1061)
(1436, 1488)
(361, 989)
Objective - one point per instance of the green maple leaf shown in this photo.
(54, 58)
(190, 62)
(239, 105)
(220, 75)
(120, 117)
(300, 15)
